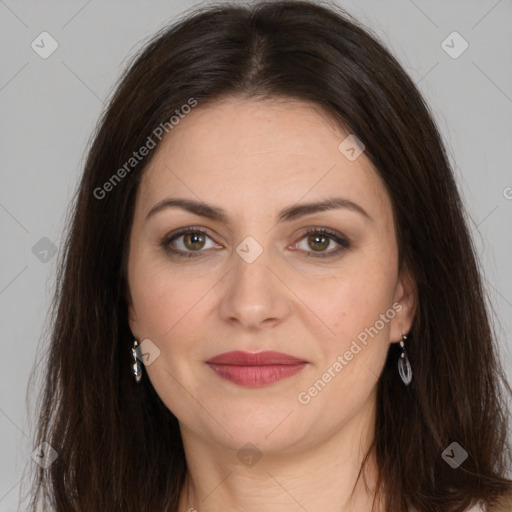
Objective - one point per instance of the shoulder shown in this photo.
(478, 508)
(504, 504)
(475, 508)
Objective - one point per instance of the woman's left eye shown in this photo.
(320, 240)
(190, 243)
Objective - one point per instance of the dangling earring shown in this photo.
(136, 368)
(404, 366)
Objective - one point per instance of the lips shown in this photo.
(255, 369)
(254, 359)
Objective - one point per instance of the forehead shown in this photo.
(262, 153)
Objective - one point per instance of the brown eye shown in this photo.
(193, 240)
(188, 243)
(318, 242)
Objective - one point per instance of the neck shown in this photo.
(323, 476)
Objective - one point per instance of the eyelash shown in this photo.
(343, 242)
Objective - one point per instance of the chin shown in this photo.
(272, 431)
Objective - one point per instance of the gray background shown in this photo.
(49, 108)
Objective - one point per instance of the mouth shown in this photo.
(255, 369)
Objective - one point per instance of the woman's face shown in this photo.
(258, 280)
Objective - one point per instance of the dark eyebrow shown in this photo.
(288, 214)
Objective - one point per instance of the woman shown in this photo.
(269, 299)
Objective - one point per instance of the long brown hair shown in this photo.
(119, 447)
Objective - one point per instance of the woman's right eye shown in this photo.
(186, 242)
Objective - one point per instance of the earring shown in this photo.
(136, 368)
(404, 366)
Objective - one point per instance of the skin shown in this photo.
(254, 158)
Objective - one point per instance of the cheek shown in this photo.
(163, 298)
(168, 306)
(351, 359)
(164, 307)
(353, 296)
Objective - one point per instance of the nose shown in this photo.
(255, 297)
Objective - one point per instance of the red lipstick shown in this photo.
(255, 369)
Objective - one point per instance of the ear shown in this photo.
(406, 299)
(132, 317)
